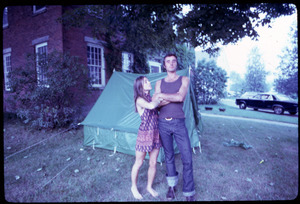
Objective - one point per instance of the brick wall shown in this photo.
(26, 29)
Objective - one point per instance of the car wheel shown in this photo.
(278, 110)
(243, 106)
(292, 113)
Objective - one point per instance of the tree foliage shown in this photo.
(137, 28)
(287, 82)
(142, 28)
(206, 25)
(255, 77)
(209, 82)
(238, 85)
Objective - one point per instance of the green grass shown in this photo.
(249, 113)
(61, 169)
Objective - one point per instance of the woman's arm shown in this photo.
(148, 105)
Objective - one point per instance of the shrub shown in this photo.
(209, 82)
(56, 101)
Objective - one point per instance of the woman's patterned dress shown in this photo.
(148, 134)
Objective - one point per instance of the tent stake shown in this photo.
(200, 147)
(115, 150)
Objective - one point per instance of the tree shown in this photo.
(238, 84)
(209, 82)
(287, 82)
(136, 28)
(206, 25)
(255, 77)
(142, 28)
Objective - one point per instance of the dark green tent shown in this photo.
(113, 123)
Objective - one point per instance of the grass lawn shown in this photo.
(61, 169)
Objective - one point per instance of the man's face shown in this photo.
(171, 63)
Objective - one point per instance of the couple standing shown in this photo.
(158, 130)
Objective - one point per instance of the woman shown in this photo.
(148, 135)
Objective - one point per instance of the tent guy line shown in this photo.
(22, 150)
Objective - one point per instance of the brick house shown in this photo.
(34, 29)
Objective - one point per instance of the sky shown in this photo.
(233, 57)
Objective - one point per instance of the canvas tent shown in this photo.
(113, 124)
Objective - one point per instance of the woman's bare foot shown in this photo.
(152, 192)
(136, 193)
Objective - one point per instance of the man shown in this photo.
(173, 89)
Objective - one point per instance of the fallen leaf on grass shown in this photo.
(76, 171)
(39, 169)
(17, 177)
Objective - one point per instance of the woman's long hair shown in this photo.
(138, 89)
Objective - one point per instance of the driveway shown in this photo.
(249, 119)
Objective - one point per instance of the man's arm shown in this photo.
(180, 95)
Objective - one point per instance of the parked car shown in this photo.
(276, 102)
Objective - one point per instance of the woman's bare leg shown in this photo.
(139, 158)
(152, 171)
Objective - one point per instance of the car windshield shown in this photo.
(248, 95)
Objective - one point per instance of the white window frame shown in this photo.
(155, 64)
(7, 69)
(40, 76)
(37, 11)
(5, 16)
(96, 67)
(127, 61)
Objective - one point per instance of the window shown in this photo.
(127, 62)
(7, 70)
(257, 97)
(155, 67)
(41, 52)
(5, 18)
(38, 9)
(95, 61)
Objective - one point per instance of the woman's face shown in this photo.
(146, 84)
